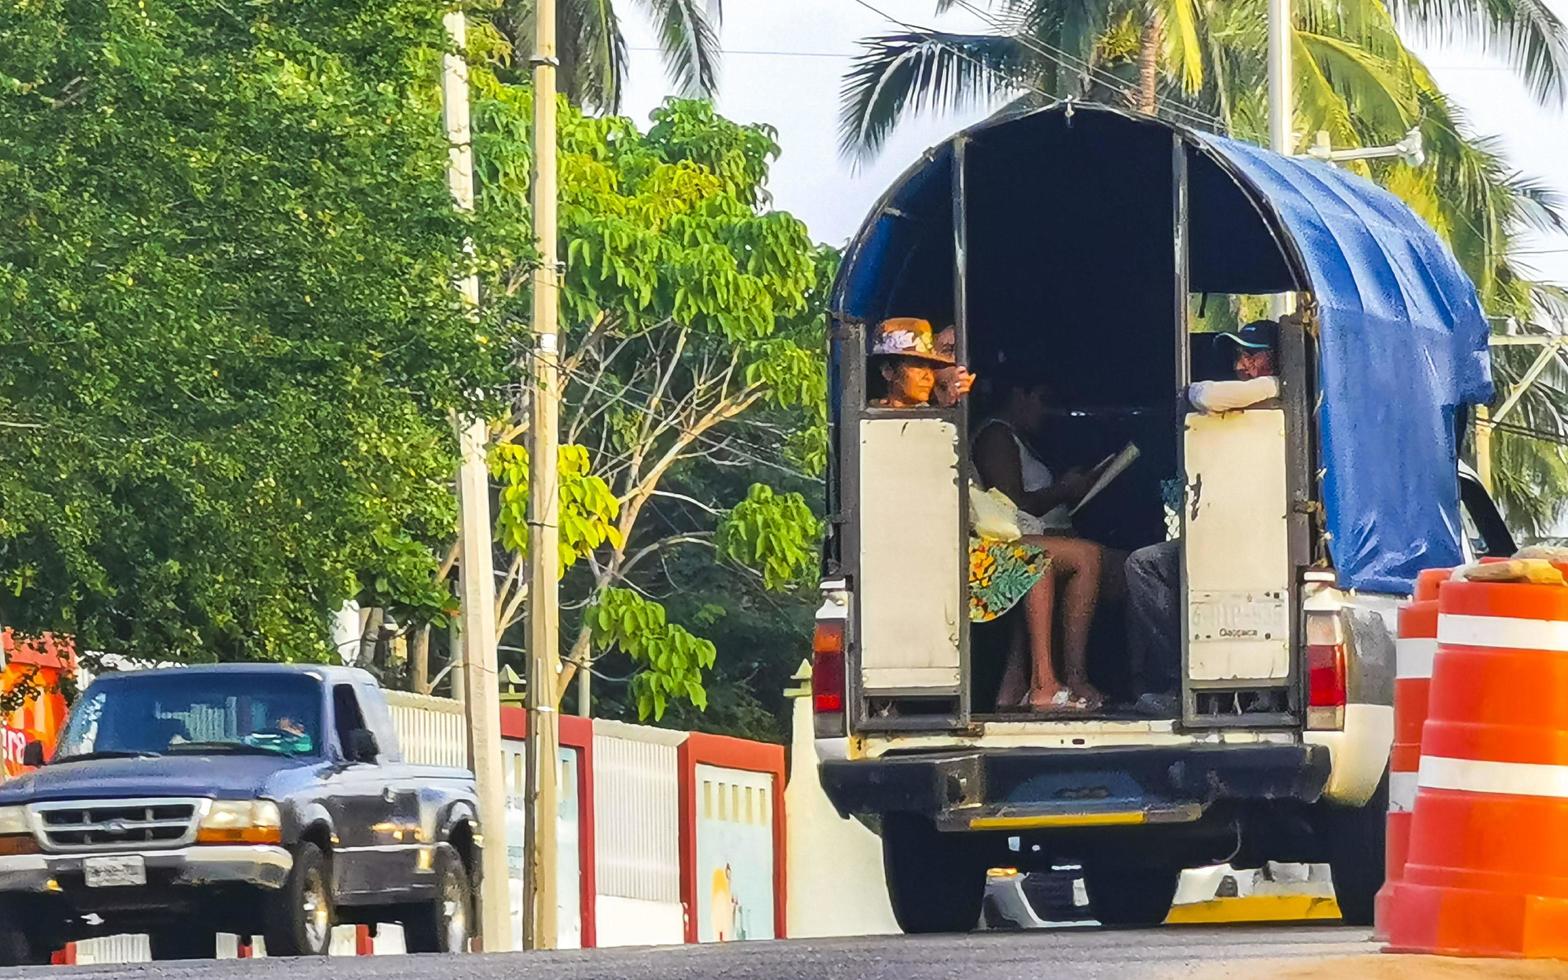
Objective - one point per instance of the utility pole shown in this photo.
(1281, 98)
(1281, 101)
(476, 573)
(544, 558)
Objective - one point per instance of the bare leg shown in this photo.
(1015, 678)
(1079, 563)
(1039, 609)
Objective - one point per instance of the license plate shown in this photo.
(1238, 616)
(114, 872)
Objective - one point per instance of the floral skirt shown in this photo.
(1000, 574)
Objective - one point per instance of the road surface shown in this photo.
(1278, 952)
(1087, 952)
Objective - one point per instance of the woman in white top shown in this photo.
(1005, 462)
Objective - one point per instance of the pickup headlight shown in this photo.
(241, 822)
(16, 835)
(13, 820)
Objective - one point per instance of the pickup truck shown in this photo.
(255, 799)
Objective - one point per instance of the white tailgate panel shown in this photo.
(1238, 557)
(910, 561)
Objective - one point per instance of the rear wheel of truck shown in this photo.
(183, 943)
(1357, 837)
(444, 924)
(1126, 896)
(935, 881)
(299, 915)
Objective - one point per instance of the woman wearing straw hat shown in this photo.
(907, 368)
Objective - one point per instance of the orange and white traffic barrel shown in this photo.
(1415, 649)
(1487, 870)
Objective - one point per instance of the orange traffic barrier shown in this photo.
(1487, 870)
(1415, 649)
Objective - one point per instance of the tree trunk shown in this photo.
(1148, 94)
(371, 636)
(419, 662)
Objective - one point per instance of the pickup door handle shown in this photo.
(388, 795)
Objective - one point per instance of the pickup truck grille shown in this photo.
(115, 825)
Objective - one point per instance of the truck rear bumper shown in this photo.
(247, 864)
(1032, 789)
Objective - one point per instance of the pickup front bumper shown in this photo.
(1042, 789)
(208, 864)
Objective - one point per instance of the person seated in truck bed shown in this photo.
(908, 371)
(1154, 572)
(1005, 461)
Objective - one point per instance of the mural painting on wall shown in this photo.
(734, 855)
(32, 704)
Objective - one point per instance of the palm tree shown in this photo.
(592, 49)
(1355, 80)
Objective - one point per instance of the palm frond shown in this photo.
(1183, 50)
(1379, 91)
(689, 44)
(1527, 34)
(897, 74)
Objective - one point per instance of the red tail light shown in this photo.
(827, 668)
(1327, 690)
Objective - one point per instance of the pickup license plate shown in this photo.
(114, 872)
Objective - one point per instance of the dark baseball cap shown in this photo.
(1257, 335)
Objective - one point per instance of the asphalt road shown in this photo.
(1089, 952)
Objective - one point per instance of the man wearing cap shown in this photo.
(1154, 572)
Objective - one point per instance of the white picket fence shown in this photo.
(432, 731)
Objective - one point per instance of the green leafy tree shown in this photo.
(693, 340)
(230, 345)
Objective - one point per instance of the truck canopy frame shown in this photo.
(1402, 339)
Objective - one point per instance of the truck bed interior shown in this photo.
(1074, 275)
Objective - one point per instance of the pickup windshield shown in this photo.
(159, 713)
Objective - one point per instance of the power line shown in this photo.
(762, 53)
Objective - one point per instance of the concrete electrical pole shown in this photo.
(1281, 98)
(544, 559)
(476, 573)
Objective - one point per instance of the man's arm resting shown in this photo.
(1214, 397)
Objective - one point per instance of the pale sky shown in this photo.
(784, 61)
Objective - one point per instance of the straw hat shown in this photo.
(906, 336)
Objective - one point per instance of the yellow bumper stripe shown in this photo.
(1122, 818)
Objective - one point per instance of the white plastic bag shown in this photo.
(993, 515)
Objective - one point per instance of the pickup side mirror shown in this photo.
(33, 754)
(362, 746)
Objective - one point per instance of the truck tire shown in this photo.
(1127, 896)
(935, 881)
(299, 915)
(445, 924)
(18, 949)
(183, 943)
(1357, 837)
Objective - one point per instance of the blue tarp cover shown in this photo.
(1403, 345)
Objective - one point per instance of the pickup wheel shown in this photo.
(299, 916)
(1127, 896)
(183, 943)
(1356, 840)
(936, 881)
(18, 949)
(443, 925)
